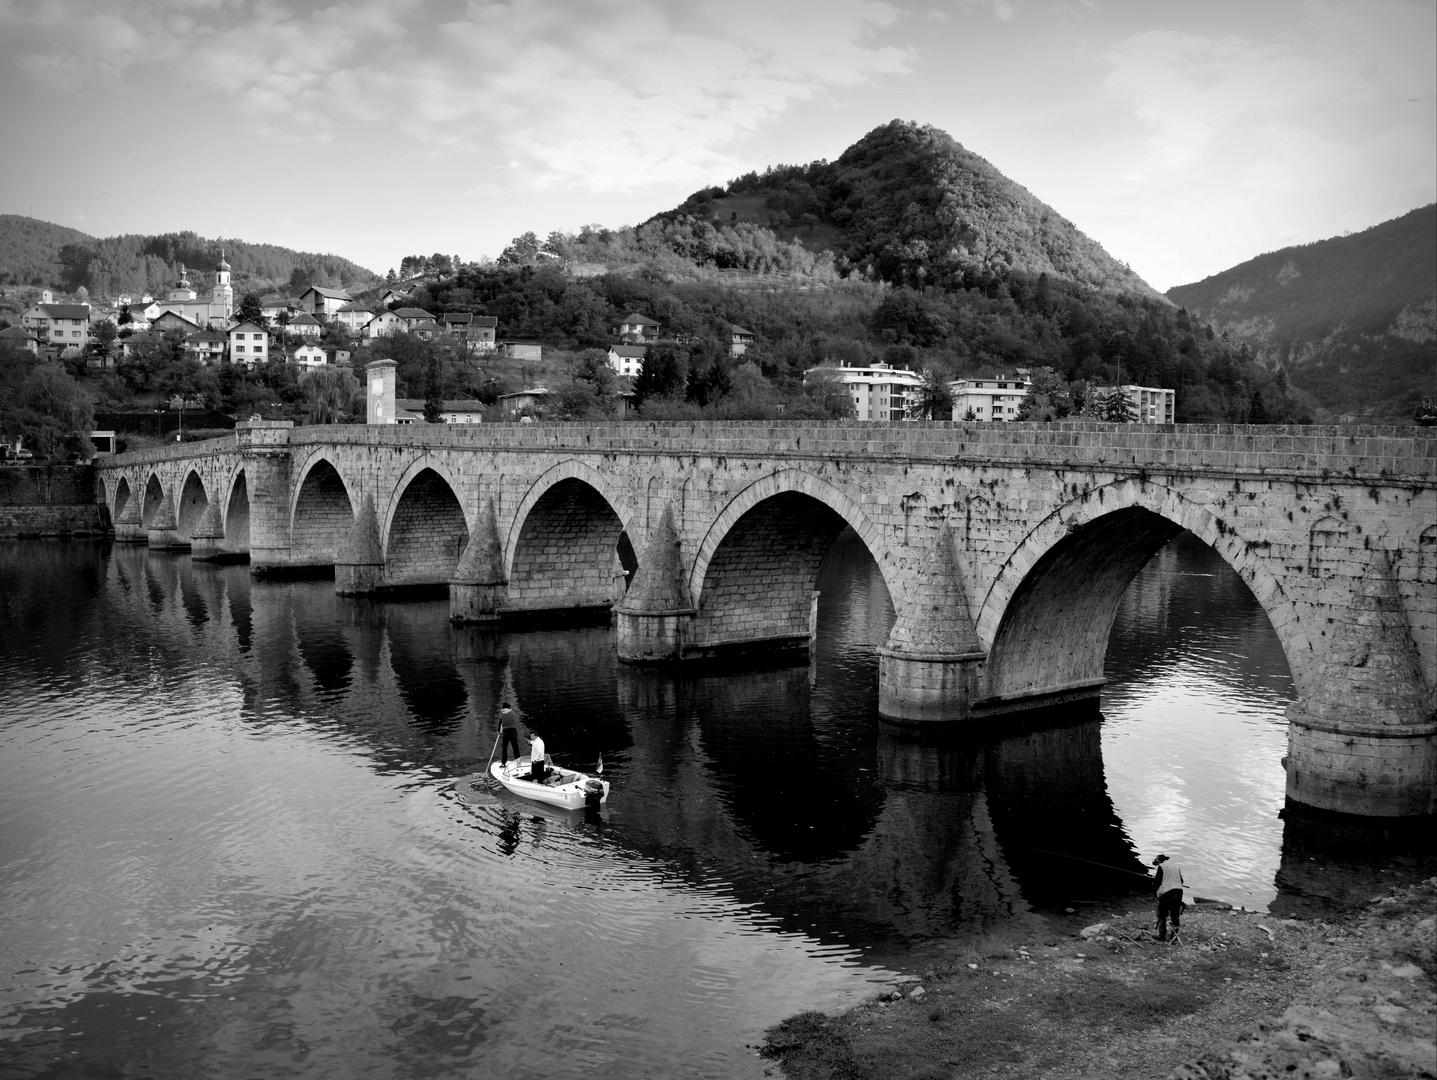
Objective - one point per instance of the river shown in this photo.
(231, 845)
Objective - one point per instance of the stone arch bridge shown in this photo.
(1005, 548)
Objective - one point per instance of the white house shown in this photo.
(206, 346)
(879, 391)
(354, 316)
(634, 328)
(994, 398)
(249, 344)
(324, 302)
(627, 359)
(309, 355)
(58, 325)
(305, 325)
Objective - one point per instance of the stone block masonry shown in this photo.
(1046, 525)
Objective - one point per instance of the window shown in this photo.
(239, 348)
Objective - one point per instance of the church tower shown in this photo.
(222, 303)
(182, 290)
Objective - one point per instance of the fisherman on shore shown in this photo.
(1170, 895)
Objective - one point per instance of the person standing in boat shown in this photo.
(538, 763)
(1170, 895)
(508, 733)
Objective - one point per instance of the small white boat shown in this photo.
(564, 788)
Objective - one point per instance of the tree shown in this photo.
(1048, 398)
(664, 374)
(249, 310)
(331, 395)
(522, 251)
(1116, 407)
(825, 396)
(935, 397)
(433, 392)
(52, 414)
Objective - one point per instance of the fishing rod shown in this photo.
(1090, 862)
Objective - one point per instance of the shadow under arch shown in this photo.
(425, 528)
(154, 495)
(235, 513)
(121, 498)
(193, 502)
(1048, 614)
(569, 545)
(754, 579)
(321, 514)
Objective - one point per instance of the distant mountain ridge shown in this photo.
(34, 252)
(1352, 319)
(907, 204)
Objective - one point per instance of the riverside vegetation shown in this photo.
(908, 249)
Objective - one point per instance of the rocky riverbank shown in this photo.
(1240, 996)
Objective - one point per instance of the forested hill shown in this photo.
(908, 205)
(1352, 319)
(39, 253)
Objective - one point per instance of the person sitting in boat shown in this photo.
(538, 762)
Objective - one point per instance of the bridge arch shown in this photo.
(153, 497)
(781, 482)
(425, 528)
(565, 547)
(192, 503)
(1047, 615)
(121, 497)
(321, 512)
(235, 510)
(755, 571)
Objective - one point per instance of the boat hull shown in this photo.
(564, 789)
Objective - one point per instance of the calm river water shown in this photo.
(231, 847)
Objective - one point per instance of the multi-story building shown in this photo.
(59, 326)
(636, 329)
(1148, 404)
(249, 344)
(879, 391)
(323, 302)
(627, 359)
(995, 398)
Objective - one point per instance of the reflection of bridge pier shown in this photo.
(1001, 603)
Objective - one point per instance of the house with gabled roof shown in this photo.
(306, 325)
(323, 302)
(17, 337)
(206, 346)
(273, 305)
(627, 359)
(636, 329)
(309, 355)
(354, 316)
(739, 339)
(249, 344)
(58, 325)
(170, 320)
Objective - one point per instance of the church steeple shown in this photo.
(224, 295)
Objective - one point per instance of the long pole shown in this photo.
(491, 751)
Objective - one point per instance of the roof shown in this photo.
(635, 317)
(636, 351)
(173, 314)
(412, 313)
(354, 307)
(485, 320)
(308, 346)
(328, 294)
(737, 329)
(463, 405)
(458, 317)
(306, 319)
(66, 311)
(246, 328)
(15, 333)
(205, 335)
(428, 324)
(537, 391)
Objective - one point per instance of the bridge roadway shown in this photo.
(1005, 548)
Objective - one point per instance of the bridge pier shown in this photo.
(163, 533)
(129, 528)
(478, 587)
(359, 564)
(209, 532)
(932, 667)
(264, 448)
(654, 619)
(1364, 739)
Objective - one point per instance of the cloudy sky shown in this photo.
(1183, 136)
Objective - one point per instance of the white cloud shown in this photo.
(610, 95)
